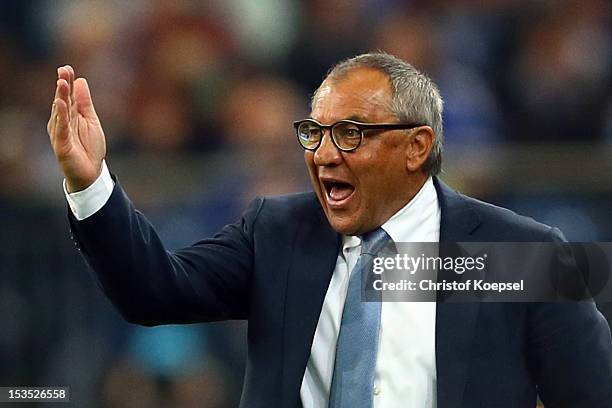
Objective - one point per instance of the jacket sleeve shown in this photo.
(570, 351)
(149, 285)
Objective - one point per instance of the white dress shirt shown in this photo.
(405, 373)
(86, 203)
(406, 362)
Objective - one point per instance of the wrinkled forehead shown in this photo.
(360, 94)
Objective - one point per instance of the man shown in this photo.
(372, 148)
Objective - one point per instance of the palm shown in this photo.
(75, 131)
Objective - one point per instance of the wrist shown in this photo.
(76, 184)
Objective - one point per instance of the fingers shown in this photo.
(59, 76)
(70, 77)
(61, 120)
(63, 85)
(51, 122)
(72, 107)
(72, 99)
(61, 93)
(75, 93)
(66, 73)
(58, 126)
(83, 99)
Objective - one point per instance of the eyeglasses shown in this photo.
(346, 135)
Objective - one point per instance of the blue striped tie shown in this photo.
(357, 345)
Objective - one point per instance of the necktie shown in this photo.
(357, 344)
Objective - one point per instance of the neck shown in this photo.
(414, 184)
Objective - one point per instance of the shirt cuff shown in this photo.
(86, 203)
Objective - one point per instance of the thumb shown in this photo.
(83, 99)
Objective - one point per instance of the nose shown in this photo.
(327, 154)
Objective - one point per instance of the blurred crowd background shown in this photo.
(197, 100)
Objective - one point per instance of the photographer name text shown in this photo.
(430, 285)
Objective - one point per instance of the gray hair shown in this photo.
(415, 97)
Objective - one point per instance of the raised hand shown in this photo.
(75, 131)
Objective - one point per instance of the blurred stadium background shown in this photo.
(197, 100)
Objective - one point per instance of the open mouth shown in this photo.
(337, 192)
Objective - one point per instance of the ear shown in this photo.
(421, 141)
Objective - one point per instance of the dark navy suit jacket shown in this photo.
(273, 268)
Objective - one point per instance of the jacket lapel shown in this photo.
(315, 252)
(455, 322)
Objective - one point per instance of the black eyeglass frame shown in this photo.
(360, 126)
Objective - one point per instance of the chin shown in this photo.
(342, 226)
(344, 221)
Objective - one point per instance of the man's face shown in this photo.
(359, 190)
